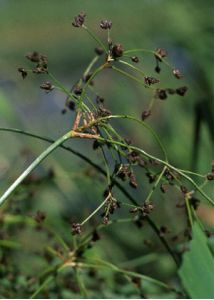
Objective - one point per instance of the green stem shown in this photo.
(144, 124)
(100, 68)
(139, 261)
(155, 185)
(34, 164)
(100, 169)
(98, 263)
(88, 69)
(81, 285)
(164, 163)
(42, 286)
(95, 38)
(189, 211)
(95, 211)
(131, 66)
(148, 51)
(67, 92)
(132, 77)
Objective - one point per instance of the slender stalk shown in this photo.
(131, 66)
(189, 211)
(144, 124)
(39, 137)
(67, 92)
(98, 263)
(95, 211)
(42, 286)
(164, 163)
(155, 185)
(92, 63)
(148, 51)
(81, 285)
(98, 168)
(132, 77)
(95, 38)
(100, 68)
(139, 261)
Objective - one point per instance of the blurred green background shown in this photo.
(185, 125)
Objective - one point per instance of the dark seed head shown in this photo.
(40, 216)
(184, 190)
(40, 70)
(99, 100)
(77, 90)
(135, 59)
(177, 74)
(117, 50)
(150, 80)
(195, 202)
(87, 78)
(95, 236)
(163, 230)
(160, 53)
(37, 57)
(157, 69)
(33, 56)
(181, 91)
(96, 145)
(47, 86)
(76, 228)
(210, 176)
(63, 111)
(23, 72)
(147, 208)
(161, 94)
(105, 220)
(145, 114)
(102, 112)
(151, 177)
(79, 20)
(132, 180)
(71, 105)
(105, 24)
(163, 188)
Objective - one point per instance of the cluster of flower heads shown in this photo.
(124, 170)
(41, 62)
(116, 51)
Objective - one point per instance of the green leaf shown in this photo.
(197, 270)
